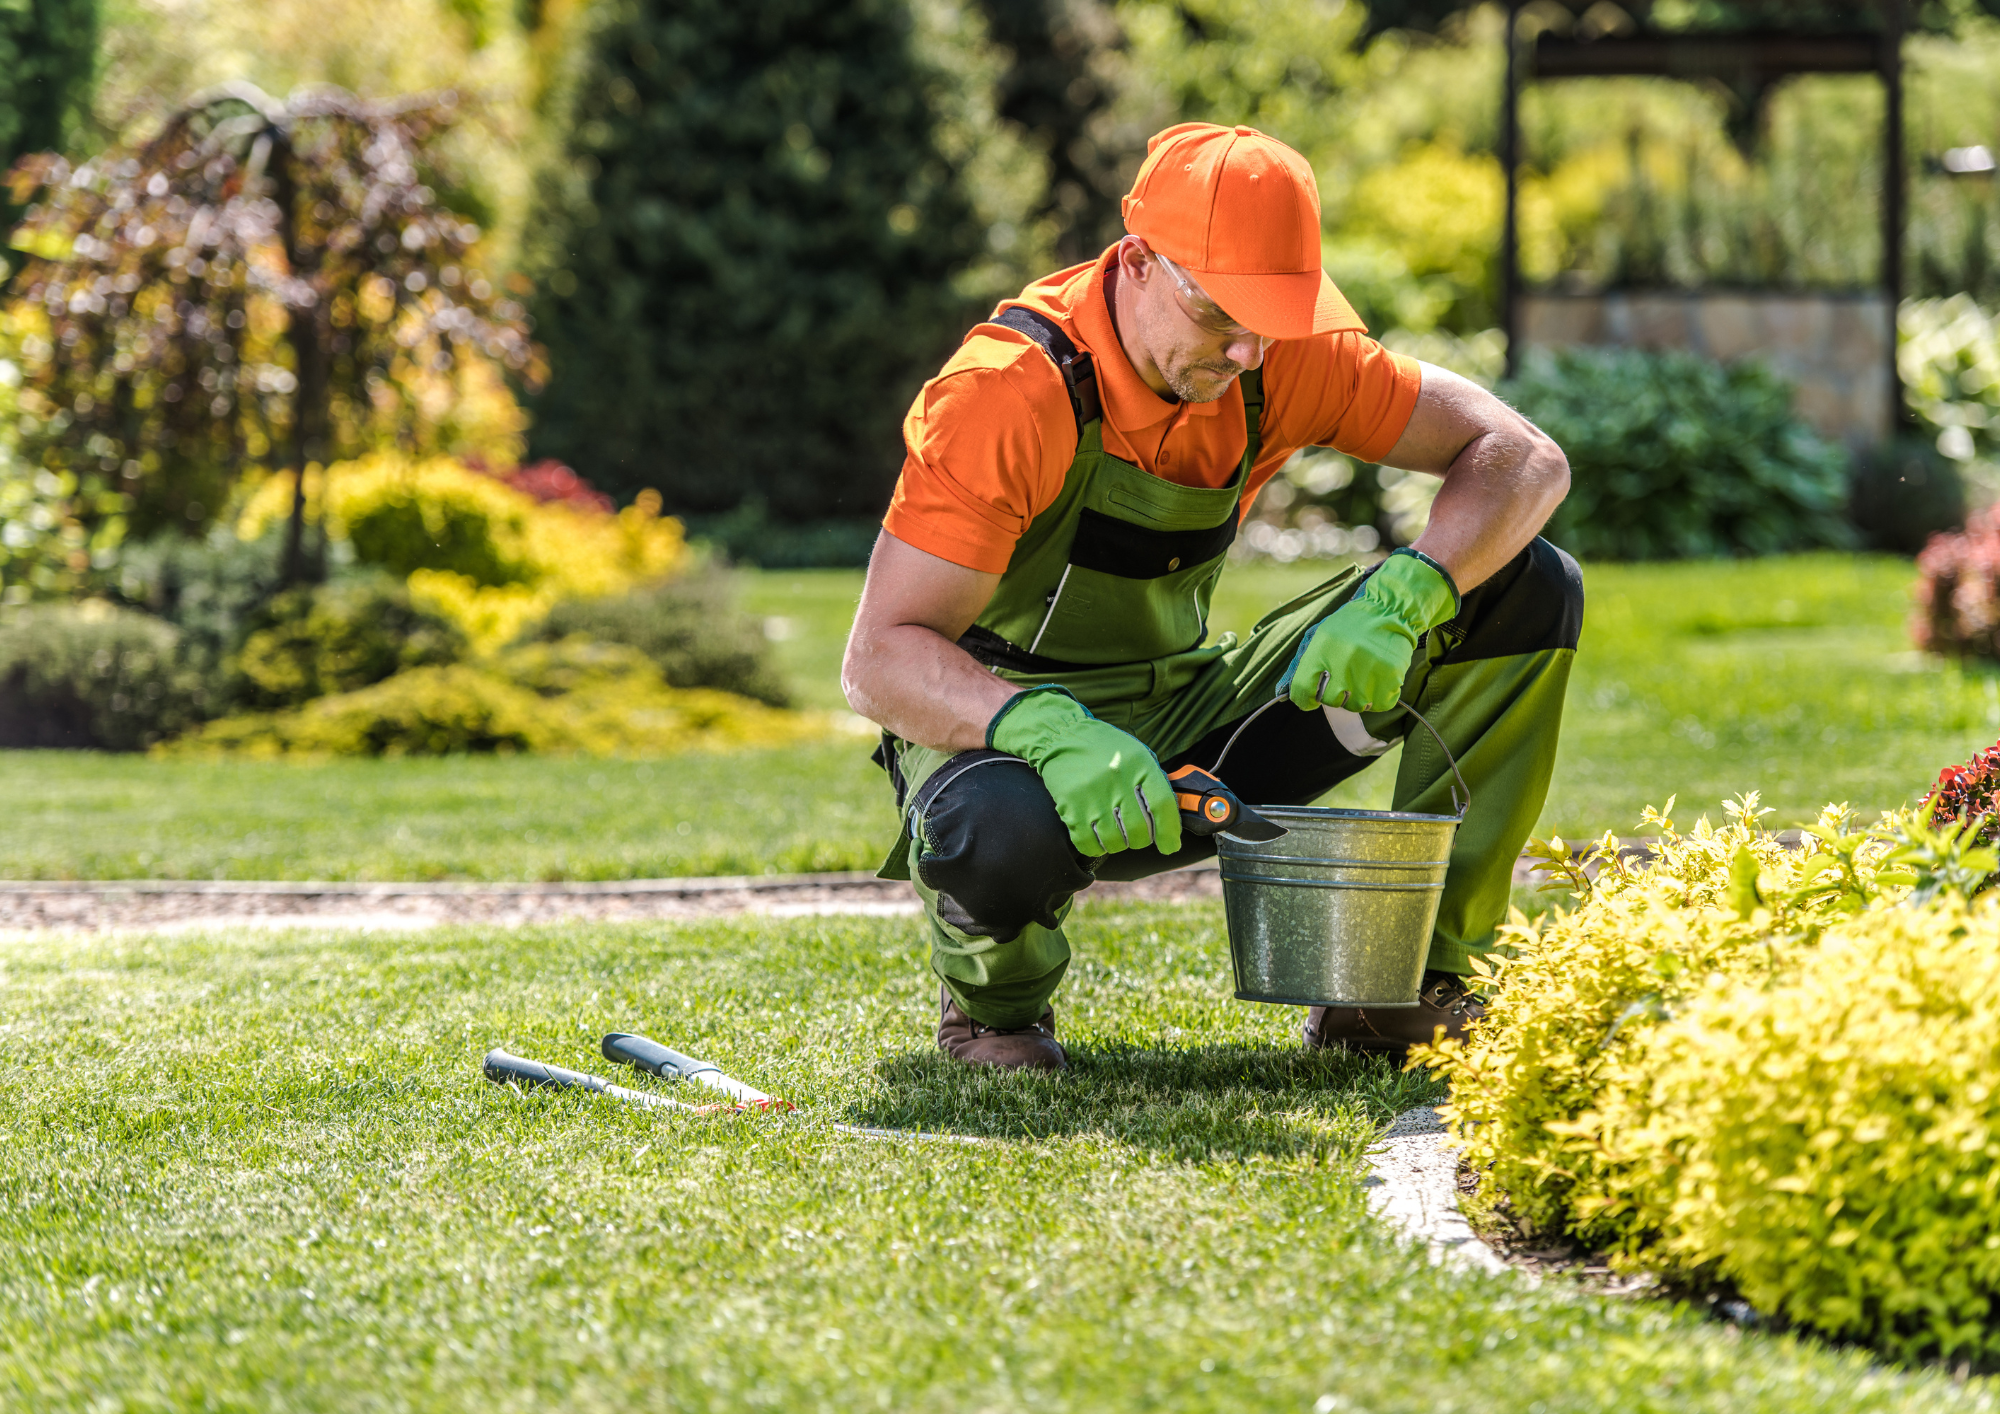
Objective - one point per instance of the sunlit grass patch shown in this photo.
(247, 1169)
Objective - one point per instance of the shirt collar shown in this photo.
(1127, 402)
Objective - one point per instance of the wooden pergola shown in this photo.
(1803, 37)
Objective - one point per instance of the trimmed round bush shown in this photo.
(92, 675)
(424, 712)
(1675, 456)
(576, 697)
(336, 637)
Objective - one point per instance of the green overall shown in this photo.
(1107, 594)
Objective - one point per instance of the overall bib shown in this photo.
(1107, 594)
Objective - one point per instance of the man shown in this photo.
(1032, 633)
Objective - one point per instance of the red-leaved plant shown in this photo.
(546, 480)
(1958, 590)
(1966, 793)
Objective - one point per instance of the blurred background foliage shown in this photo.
(48, 52)
(747, 256)
(743, 235)
(751, 231)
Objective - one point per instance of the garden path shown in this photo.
(173, 904)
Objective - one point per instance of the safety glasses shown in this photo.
(1205, 314)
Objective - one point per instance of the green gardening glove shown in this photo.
(1108, 787)
(1357, 656)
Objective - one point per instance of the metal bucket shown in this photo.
(1339, 911)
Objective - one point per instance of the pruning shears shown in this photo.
(1208, 807)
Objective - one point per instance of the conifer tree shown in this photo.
(748, 256)
(47, 49)
(1058, 89)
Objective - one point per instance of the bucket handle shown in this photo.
(1461, 793)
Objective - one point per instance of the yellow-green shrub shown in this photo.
(1831, 1143)
(422, 712)
(575, 697)
(489, 557)
(489, 615)
(337, 637)
(1777, 1068)
(1574, 993)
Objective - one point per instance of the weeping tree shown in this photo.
(263, 284)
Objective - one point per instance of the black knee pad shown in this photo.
(988, 839)
(1535, 603)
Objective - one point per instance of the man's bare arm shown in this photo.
(1502, 476)
(904, 668)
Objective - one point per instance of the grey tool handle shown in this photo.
(648, 1054)
(652, 1057)
(501, 1069)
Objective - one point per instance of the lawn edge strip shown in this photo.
(1412, 1185)
(137, 904)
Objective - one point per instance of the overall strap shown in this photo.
(1078, 376)
(1252, 384)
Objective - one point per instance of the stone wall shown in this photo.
(1833, 347)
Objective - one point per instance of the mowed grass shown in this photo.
(1791, 676)
(86, 815)
(259, 1171)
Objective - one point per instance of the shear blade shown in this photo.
(1252, 826)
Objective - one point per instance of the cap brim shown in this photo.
(1282, 306)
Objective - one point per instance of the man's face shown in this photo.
(1198, 348)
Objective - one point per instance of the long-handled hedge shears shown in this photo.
(669, 1064)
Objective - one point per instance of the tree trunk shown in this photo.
(309, 421)
(309, 334)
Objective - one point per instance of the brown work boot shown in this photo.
(1442, 1005)
(1013, 1048)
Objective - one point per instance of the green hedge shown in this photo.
(92, 676)
(1674, 456)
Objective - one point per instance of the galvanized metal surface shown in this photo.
(1338, 912)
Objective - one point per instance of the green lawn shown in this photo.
(79, 815)
(258, 1171)
(1791, 676)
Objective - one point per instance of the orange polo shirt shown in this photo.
(990, 439)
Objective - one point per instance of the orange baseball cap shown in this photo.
(1239, 211)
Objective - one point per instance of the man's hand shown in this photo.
(1108, 787)
(1357, 656)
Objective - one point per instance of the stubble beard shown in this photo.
(1201, 382)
